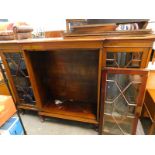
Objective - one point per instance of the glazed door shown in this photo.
(121, 100)
(126, 57)
(19, 79)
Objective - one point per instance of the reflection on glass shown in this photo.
(117, 125)
(124, 59)
(20, 76)
(121, 94)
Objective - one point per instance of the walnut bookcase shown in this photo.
(43, 71)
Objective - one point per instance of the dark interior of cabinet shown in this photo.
(18, 71)
(124, 59)
(67, 80)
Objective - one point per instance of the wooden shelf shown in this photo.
(71, 110)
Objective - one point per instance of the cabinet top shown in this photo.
(83, 39)
(50, 40)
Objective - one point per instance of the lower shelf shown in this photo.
(82, 112)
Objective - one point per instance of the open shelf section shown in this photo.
(82, 111)
(68, 75)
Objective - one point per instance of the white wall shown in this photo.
(39, 13)
(51, 14)
(43, 23)
(49, 24)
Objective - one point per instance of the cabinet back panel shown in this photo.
(67, 74)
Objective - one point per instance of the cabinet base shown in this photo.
(67, 117)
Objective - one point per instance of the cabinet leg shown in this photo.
(42, 118)
(22, 111)
(96, 128)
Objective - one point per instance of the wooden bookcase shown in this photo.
(69, 72)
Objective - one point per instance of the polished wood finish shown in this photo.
(70, 70)
(76, 27)
(106, 33)
(103, 92)
(70, 117)
(53, 34)
(151, 80)
(95, 28)
(150, 86)
(149, 107)
(34, 83)
(149, 102)
(99, 81)
(152, 94)
(3, 88)
(81, 111)
(129, 46)
(66, 75)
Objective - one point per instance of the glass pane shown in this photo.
(121, 96)
(20, 76)
(111, 95)
(117, 126)
(124, 59)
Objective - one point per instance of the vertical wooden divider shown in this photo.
(32, 79)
